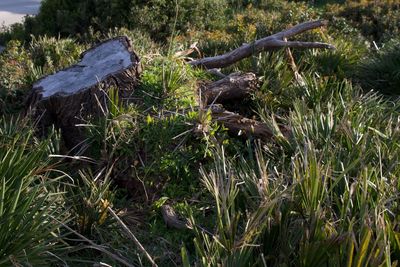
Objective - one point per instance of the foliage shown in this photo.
(321, 201)
(381, 70)
(29, 206)
(14, 63)
(377, 20)
(325, 195)
(159, 18)
(51, 54)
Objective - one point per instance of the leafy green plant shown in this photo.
(89, 199)
(22, 67)
(378, 21)
(52, 54)
(29, 214)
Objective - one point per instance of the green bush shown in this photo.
(378, 21)
(157, 17)
(52, 54)
(22, 67)
(15, 63)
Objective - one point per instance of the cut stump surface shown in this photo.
(71, 96)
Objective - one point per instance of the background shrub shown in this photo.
(157, 17)
(379, 21)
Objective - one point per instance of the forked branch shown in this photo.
(272, 42)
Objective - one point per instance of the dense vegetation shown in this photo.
(327, 195)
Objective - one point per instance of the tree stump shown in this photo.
(72, 96)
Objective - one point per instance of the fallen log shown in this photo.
(73, 95)
(232, 87)
(272, 42)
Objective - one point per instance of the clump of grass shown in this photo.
(325, 196)
(29, 198)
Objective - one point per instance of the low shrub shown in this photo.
(378, 21)
(159, 18)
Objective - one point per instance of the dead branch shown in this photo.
(132, 237)
(238, 125)
(271, 42)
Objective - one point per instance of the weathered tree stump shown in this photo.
(73, 95)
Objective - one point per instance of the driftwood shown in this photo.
(71, 96)
(237, 86)
(272, 42)
(232, 87)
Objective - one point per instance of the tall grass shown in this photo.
(327, 199)
(29, 232)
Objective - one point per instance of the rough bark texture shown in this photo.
(272, 42)
(232, 87)
(71, 96)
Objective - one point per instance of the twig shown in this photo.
(133, 237)
(95, 246)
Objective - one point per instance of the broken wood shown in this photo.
(73, 95)
(272, 42)
(238, 125)
(232, 87)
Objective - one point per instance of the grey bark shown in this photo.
(272, 42)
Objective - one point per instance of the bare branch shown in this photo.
(297, 44)
(268, 43)
(300, 28)
(133, 237)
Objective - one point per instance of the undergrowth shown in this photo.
(325, 195)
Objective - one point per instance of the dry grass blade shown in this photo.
(96, 247)
(133, 237)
